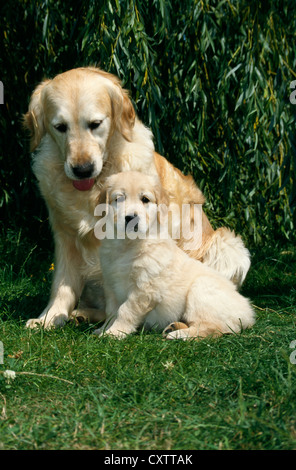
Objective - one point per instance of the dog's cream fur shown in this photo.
(149, 280)
(84, 117)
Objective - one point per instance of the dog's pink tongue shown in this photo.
(83, 185)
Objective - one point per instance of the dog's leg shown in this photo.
(202, 310)
(66, 287)
(110, 311)
(92, 305)
(194, 330)
(213, 308)
(131, 314)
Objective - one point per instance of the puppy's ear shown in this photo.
(33, 120)
(162, 200)
(161, 195)
(104, 195)
(102, 206)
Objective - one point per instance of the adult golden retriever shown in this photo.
(84, 128)
(148, 280)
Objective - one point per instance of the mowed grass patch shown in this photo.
(74, 390)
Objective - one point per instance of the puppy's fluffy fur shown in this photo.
(83, 129)
(149, 280)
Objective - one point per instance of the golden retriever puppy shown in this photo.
(148, 280)
(83, 129)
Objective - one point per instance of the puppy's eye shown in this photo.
(94, 125)
(119, 199)
(62, 128)
(145, 200)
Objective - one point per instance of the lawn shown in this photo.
(73, 390)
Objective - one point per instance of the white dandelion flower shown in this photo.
(9, 375)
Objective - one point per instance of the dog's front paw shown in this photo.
(46, 322)
(34, 323)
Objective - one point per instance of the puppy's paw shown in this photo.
(178, 334)
(99, 331)
(172, 330)
(110, 332)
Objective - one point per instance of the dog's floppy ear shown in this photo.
(123, 113)
(128, 116)
(33, 120)
(162, 201)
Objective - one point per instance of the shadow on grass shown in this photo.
(271, 280)
(23, 307)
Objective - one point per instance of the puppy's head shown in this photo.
(136, 202)
(79, 111)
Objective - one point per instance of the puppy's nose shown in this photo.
(83, 171)
(132, 217)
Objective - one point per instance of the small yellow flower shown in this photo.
(51, 267)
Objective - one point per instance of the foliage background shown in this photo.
(211, 78)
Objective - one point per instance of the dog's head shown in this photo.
(137, 203)
(80, 110)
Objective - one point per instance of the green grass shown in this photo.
(75, 391)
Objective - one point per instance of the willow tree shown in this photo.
(211, 78)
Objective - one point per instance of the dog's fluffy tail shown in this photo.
(228, 255)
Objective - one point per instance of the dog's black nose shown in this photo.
(134, 219)
(83, 171)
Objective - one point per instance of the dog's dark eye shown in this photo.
(94, 125)
(119, 199)
(61, 128)
(145, 199)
